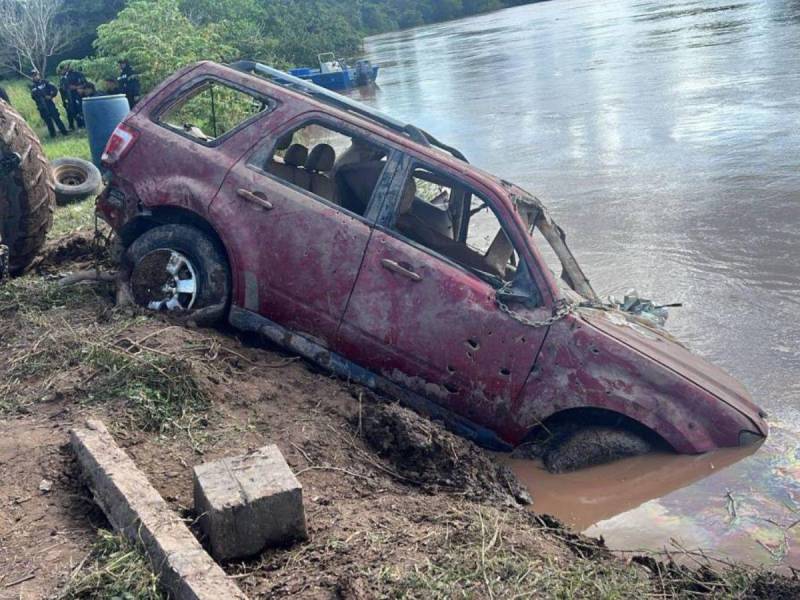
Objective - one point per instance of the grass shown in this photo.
(482, 555)
(76, 144)
(51, 332)
(113, 569)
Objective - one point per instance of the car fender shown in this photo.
(581, 366)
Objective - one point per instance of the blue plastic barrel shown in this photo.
(102, 114)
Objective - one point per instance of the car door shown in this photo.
(298, 254)
(433, 326)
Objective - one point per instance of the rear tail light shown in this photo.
(120, 142)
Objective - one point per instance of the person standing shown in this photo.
(43, 92)
(63, 89)
(128, 82)
(74, 80)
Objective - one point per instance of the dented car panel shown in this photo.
(352, 293)
(581, 365)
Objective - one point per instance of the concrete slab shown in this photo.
(249, 502)
(137, 510)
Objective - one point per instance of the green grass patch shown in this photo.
(115, 569)
(69, 218)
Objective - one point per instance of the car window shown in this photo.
(336, 166)
(210, 110)
(451, 220)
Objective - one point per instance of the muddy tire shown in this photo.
(179, 268)
(76, 179)
(591, 446)
(27, 193)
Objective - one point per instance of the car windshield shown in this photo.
(556, 252)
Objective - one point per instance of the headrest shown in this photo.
(296, 155)
(407, 199)
(284, 141)
(321, 159)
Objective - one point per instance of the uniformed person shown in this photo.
(63, 90)
(73, 81)
(128, 82)
(43, 92)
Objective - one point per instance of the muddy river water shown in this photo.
(665, 137)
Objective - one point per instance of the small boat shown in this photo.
(334, 74)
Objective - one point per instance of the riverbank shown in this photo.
(381, 524)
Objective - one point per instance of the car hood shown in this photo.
(658, 345)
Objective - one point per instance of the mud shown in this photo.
(425, 453)
(77, 249)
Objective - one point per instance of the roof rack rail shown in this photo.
(290, 81)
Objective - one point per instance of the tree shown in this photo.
(157, 39)
(30, 33)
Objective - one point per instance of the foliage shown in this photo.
(158, 39)
(159, 36)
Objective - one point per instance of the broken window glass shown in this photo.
(437, 212)
(211, 110)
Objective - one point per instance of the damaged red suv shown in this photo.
(373, 249)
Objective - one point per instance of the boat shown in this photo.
(334, 74)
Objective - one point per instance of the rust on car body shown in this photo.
(346, 290)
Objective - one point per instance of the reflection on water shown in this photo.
(664, 137)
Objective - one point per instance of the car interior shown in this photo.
(434, 210)
(335, 166)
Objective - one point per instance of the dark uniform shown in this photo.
(43, 92)
(4, 96)
(63, 89)
(128, 83)
(73, 80)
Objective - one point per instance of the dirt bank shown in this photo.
(396, 506)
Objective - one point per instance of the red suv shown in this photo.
(375, 250)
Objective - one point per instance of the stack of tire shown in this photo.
(27, 190)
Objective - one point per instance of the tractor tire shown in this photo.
(27, 190)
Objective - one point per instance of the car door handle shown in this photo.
(395, 267)
(254, 198)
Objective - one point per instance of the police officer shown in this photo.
(63, 89)
(43, 92)
(74, 80)
(128, 82)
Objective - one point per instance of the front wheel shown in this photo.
(178, 268)
(589, 446)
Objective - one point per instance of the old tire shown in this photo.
(589, 446)
(179, 268)
(27, 193)
(75, 179)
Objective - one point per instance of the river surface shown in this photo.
(665, 137)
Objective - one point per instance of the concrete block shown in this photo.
(136, 509)
(249, 502)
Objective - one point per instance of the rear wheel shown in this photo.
(27, 198)
(178, 268)
(589, 446)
